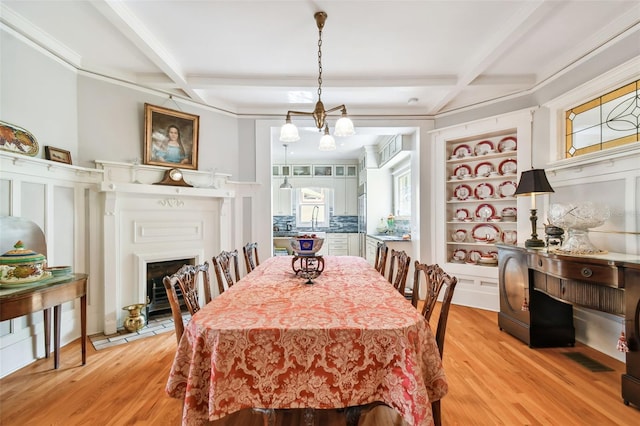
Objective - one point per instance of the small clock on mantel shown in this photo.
(173, 177)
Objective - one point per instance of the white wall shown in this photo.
(38, 93)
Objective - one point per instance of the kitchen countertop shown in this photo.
(284, 234)
(387, 237)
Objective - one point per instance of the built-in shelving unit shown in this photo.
(481, 206)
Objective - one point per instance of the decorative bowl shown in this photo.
(21, 265)
(306, 245)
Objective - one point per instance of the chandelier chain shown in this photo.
(319, 63)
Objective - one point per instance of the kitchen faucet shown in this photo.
(314, 217)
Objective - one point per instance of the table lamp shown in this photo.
(533, 182)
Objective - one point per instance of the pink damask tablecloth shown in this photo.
(272, 341)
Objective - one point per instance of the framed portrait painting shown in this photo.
(170, 137)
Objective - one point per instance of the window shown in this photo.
(604, 122)
(402, 192)
(313, 206)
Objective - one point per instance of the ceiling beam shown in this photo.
(118, 14)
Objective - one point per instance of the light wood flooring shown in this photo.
(494, 379)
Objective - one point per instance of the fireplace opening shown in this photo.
(157, 300)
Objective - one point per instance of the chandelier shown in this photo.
(344, 125)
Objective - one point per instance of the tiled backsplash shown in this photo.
(347, 224)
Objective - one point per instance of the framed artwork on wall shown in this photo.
(57, 154)
(170, 137)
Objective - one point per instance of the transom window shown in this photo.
(607, 121)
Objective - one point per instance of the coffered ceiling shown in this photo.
(259, 58)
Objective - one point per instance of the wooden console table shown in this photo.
(552, 283)
(42, 296)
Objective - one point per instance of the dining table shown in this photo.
(279, 340)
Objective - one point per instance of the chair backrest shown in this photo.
(251, 260)
(435, 278)
(398, 269)
(186, 278)
(223, 264)
(381, 257)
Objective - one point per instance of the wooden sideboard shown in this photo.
(552, 283)
(42, 296)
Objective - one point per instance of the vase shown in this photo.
(577, 219)
(136, 320)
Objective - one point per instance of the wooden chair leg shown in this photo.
(352, 415)
(435, 407)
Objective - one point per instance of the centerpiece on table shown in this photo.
(306, 261)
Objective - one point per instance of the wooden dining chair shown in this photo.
(186, 278)
(399, 269)
(227, 270)
(251, 260)
(436, 279)
(381, 257)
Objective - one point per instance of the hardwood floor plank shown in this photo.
(494, 379)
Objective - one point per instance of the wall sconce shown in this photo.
(533, 182)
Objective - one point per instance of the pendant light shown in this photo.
(344, 125)
(286, 184)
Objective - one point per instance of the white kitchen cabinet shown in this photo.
(342, 244)
(354, 245)
(345, 196)
(392, 148)
(372, 245)
(338, 244)
(281, 198)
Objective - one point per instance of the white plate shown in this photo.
(460, 255)
(484, 147)
(508, 166)
(487, 233)
(484, 191)
(485, 211)
(462, 192)
(462, 214)
(507, 189)
(509, 143)
(462, 171)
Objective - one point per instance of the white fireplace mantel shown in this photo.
(143, 221)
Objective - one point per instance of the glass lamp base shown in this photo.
(578, 243)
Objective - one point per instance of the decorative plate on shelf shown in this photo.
(484, 169)
(485, 211)
(509, 211)
(507, 189)
(459, 235)
(484, 191)
(473, 256)
(18, 140)
(462, 214)
(462, 171)
(508, 166)
(462, 151)
(486, 233)
(462, 192)
(484, 147)
(509, 143)
(459, 255)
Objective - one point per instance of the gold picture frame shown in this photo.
(170, 137)
(57, 154)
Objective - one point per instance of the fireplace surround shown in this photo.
(145, 223)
